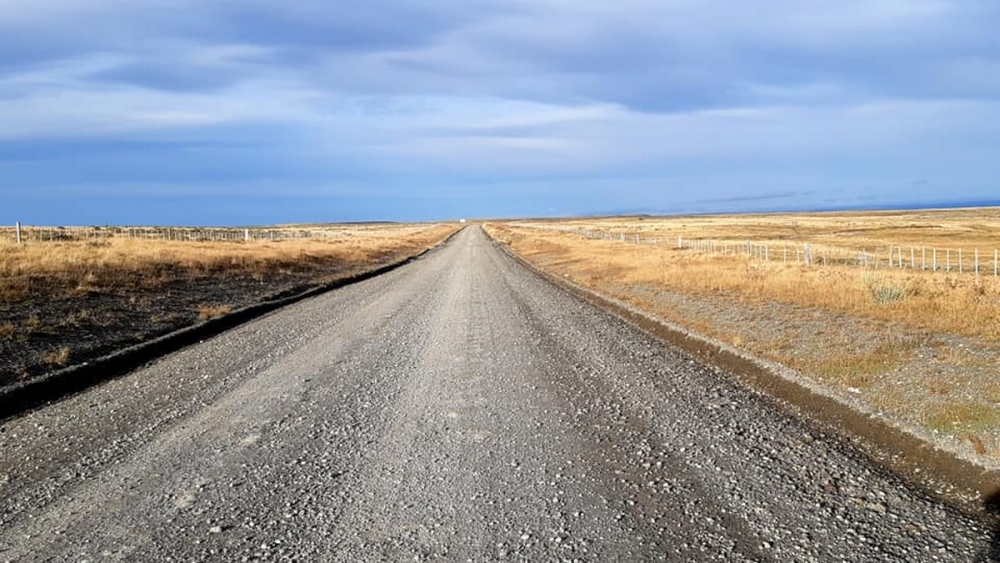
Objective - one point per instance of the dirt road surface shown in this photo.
(459, 408)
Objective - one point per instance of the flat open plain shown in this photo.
(458, 408)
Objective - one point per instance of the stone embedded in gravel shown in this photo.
(876, 507)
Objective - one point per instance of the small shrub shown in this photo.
(882, 293)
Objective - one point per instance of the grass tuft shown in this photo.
(885, 294)
(59, 357)
(882, 292)
(206, 312)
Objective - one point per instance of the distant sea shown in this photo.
(915, 205)
(735, 208)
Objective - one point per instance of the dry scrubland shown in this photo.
(63, 268)
(939, 301)
(65, 300)
(914, 345)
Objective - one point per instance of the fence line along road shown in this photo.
(933, 259)
(22, 233)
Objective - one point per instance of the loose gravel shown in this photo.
(459, 408)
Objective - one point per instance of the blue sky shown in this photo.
(255, 112)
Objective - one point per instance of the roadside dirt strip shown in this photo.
(458, 408)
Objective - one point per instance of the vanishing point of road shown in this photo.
(458, 408)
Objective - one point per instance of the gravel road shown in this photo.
(458, 408)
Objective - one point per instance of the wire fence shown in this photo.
(932, 259)
(25, 234)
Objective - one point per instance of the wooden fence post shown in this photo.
(18, 227)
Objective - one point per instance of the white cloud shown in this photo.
(122, 111)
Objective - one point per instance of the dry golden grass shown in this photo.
(932, 301)
(59, 357)
(966, 229)
(65, 268)
(206, 312)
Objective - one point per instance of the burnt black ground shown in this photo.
(458, 408)
(91, 324)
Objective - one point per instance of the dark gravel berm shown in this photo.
(457, 408)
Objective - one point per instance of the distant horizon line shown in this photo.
(886, 208)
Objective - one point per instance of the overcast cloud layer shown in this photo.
(223, 112)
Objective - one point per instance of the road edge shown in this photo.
(939, 473)
(56, 385)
